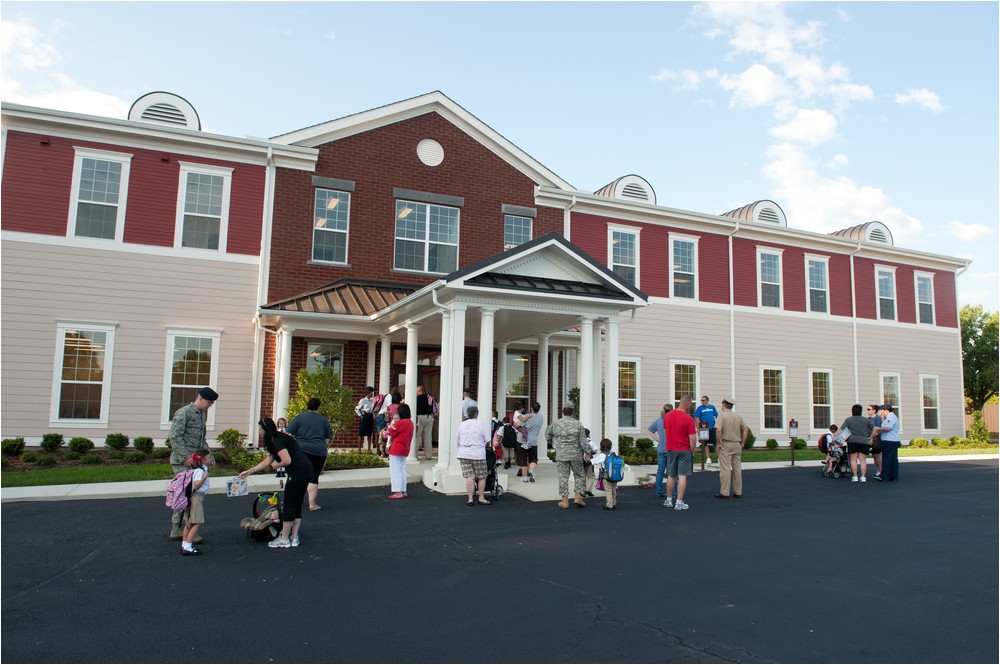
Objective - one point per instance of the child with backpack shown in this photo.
(194, 516)
(507, 437)
(612, 471)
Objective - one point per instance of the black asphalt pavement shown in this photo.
(802, 569)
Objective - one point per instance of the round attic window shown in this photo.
(430, 152)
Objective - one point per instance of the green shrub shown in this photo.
(51, 441)
(644, 443)
(72, 456)
(46, 460)
(962, 442)
(800, 444)
(771, 444)
(941, 442)
(29, 457)
(92, 459)
(116, 441)
(135, 457)
(143, 444)
(13, 446)
(116, 454)
(161, 453)
(231, 438)
(751, 439)
(80, 444)
(978, 433)
(353, 460)
(919, 443)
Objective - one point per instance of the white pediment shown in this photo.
(550, 264)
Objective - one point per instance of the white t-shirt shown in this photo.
(198, 474)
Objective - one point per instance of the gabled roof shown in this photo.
(432, 102)
(349, 297)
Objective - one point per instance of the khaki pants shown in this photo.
(610, 493)
(730, 470)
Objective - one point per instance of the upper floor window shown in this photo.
(624, 253)
(82, 385)
(203, 206)
(426, 237)
(769, 277)
(885, 285)
(331, 216)
(100, 186)
(925, 297)
(516, 230)
(684, 262)
(817, 285)
(628, 393)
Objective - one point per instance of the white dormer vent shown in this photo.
(768, 215)
(876, 234)
(634, 191)
(630, 187)
(165, 108)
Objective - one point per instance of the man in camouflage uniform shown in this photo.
(569, 439)
(187, 436)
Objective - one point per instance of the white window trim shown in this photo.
(784, 398)
(760, 283)
(897, 408)
(109, 349)
(937, 382)
(825, 260)
(895, 294)
(126, 161)
(426, 240)
(916, 297)
(346, 232)
(227, 183)
(323, 342)
(632, 230)
(216, 337)
(686, 238)
(638, 391)
(674, 362)
(812, 400)
(531, 229)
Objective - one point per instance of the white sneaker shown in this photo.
(279, 542)
(680, 505)
(863, 479)
(294, 542)
(524, 480)
(668, 502)
(854, 479)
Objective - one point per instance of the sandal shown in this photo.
(486, 503)
(470, 504)
(315, 507)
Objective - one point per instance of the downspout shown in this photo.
(961, 359)
(566, 218)
(262, 281)
(854, 324)
(732, 317)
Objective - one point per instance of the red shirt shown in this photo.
(401, 432)
(679, 427)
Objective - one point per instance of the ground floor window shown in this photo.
(685, 380)
(192, 363)
(821, 397)
(628, 394)
(772, 390)
(929, 403)
(323, 354)
(890, 393)
(82, 381)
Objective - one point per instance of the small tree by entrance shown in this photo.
(336, 399)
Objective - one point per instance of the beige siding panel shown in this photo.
(145, 295)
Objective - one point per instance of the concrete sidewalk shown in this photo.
(544, 489)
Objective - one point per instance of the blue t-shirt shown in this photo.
(656, 427)
(708, 413)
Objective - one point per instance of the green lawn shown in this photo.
(95, 474)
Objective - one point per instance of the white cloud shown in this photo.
(756, 86)
(810, 127)
(838, 160)
(685, 79)
(969, 232)
(923, 98)
(25, 47)
(843, 15)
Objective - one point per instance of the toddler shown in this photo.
(195, 515)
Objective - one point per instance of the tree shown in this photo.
(980, 350)
(336, 399)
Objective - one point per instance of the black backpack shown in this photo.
(509, 439)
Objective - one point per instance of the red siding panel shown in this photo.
(36, 184)
(864, 288)
(839, 279)
(945, 299)
(745, 271)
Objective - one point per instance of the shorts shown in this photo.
(473, 468)
(525, 456)
(863, 448)
(679, 463)
(196, 509)
(317, 461)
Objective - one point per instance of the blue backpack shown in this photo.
(613, 468)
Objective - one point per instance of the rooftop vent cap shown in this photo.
(165, 108)
(629, 187)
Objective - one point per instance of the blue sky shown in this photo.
(841, 112)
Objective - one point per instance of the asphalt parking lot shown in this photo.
(802, 569)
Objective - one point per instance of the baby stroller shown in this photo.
(841, 466)
(493, 485)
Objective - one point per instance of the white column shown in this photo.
(457, 378)
(484, 389)
(446, 407)
(554, 392)
(384, 361)
(611, 384)
(542, 391)
(370, 373)
(282, 372)
(597, 429)
(501, 396)
(410, 390)
(586, 378)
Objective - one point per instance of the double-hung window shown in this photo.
(82, 380)
(684, 266)
(890, 384)
(516, 230)
(818, 284)
(821, 398)
(885, 285)
(192, 363)
(628, 394)
(203, 207)
(929, 403)
(769, 277)
(772, 390)
(331, 219)
(426, 237)
(518, 380)
(925, 297)
(100, 188)
(320, 355)
(685, 380)
(624, 252)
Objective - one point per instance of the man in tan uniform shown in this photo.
(732, 435)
